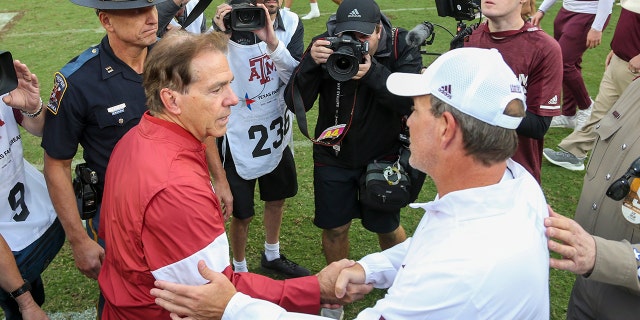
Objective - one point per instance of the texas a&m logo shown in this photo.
(261, 68)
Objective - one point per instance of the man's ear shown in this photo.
(105, 21)
(169, 98)
(449, 129)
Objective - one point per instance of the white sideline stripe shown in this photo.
(5, 18)
(48, 33)
(89, 314)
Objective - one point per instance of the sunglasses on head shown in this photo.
(621, 187)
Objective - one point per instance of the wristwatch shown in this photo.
(23, 289)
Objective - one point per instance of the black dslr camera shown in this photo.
(244, 16)
(84, 186)
(8, 78)
(348, 53)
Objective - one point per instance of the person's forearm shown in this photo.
(604, 10)
(10, 278)
(616, 264)
(58, 177)
(214, 163)
(546, 4)
(35, 124)
(381, 268)
(534, 126)
(285, 63)
(166, 11)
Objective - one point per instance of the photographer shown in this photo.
(373, 115)
(265, 44)
(30, 234)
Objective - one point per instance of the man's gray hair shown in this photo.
(486, 143)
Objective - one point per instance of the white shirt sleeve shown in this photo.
(546, 4)
(604, 10)
(381, 268)
(285, 63)
(242, 306)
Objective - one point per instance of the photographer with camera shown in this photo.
(265, 45)
(346, 68)
(536, 58)
(30, 234)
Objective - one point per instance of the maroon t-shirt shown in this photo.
(536, 59)
(626, 39)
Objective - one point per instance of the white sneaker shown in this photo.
(311, 15)
(332, 313)
(563, 121)
(582, 116)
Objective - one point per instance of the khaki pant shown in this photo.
(616, 78)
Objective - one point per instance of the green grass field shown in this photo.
(45, 34)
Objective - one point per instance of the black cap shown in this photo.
(357, 16)
(116, 4)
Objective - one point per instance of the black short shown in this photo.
(337, 201)
(281, 183)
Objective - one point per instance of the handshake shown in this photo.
(341, 282)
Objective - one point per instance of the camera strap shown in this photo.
(197, 10)
(394, 43)
(301, 118)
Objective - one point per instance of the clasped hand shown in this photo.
(340, 282)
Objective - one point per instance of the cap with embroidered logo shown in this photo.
(357, 16)
(477, 82)
(116, 4)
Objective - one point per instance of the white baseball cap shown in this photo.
(475, 81)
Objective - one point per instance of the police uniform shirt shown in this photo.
(95, 100)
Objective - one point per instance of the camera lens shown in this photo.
(343, 64)
(247, 16)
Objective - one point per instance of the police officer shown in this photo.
(97, 97)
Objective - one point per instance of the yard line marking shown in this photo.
(5, 18)
(49, 33)
(89, 314)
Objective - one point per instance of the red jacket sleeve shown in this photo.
(295, 295)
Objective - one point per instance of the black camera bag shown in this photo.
(385, 186)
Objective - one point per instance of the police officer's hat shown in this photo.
(116, 4)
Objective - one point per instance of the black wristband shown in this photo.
(23, 289)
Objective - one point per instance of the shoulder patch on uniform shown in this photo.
(59, 87)
(80, 60)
